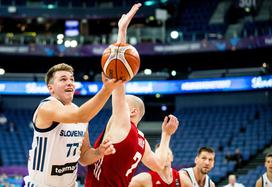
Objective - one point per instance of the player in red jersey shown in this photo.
(130, 145)
(169, 177)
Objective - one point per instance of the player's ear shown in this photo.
(195, 159)
(50, 88)
(134, 112)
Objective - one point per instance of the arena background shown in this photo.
(206, 61)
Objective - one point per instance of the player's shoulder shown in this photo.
(49, 105)
(140, 133)
(259, 182)
(185, 179)
(141, 179)
(212, 183)
(183, 174)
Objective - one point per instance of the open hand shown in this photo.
(126, 18)
(111, 84)
(170, 124)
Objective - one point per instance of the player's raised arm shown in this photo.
(157, 161)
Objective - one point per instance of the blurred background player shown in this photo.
(130, 144)
(232, 182)
(266, 179)
(168, 177)
(204, 162)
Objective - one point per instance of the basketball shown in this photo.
(120, 61)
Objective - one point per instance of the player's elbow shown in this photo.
(133, 183)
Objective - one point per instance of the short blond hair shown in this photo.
(58, 67)
(137, 103)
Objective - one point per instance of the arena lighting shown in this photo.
(73, 43)
(12, 9)
(51, 6)
(2, 71)
(157, 95)
(71, 28)
(147, 71)
(85, 77)
(174, 34)
(59, 42)
(133, 40)
(60, 36)
(247, 9)
(173, 73)
(67, 43)
(163, 107)
(149, 3)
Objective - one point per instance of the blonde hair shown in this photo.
(59, 67)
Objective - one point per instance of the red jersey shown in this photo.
(117, 169)
(158, 182)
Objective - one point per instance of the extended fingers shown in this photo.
(173, 119)
(133, 10)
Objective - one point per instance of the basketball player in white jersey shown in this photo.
(266, 179)
(204, 162)
(59, 129)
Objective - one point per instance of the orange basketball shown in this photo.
(120, 61)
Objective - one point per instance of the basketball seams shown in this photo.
(128, 58)
(111, 57)
(132, 56)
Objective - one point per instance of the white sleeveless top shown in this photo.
(191, 174)
(53, 158)
(266, 181)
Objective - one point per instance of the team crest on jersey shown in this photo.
(141, 142)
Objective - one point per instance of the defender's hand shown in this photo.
(170, 124)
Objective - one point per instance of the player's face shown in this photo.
(232, 180)
(268, 164)
(205, 162)
(63, 86)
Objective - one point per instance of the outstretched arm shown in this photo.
(124, 22)
(55, 111)
(120, 109)
(259, 182)
(156, 162)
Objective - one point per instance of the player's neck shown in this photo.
(200, 178)
(166, 175)
(269, 176)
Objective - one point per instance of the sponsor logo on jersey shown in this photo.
(69, 133)
(63, 169)
(141, 142)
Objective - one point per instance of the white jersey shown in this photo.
(191, 174)
(235, 185)
(53, 158)
(266, 181)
